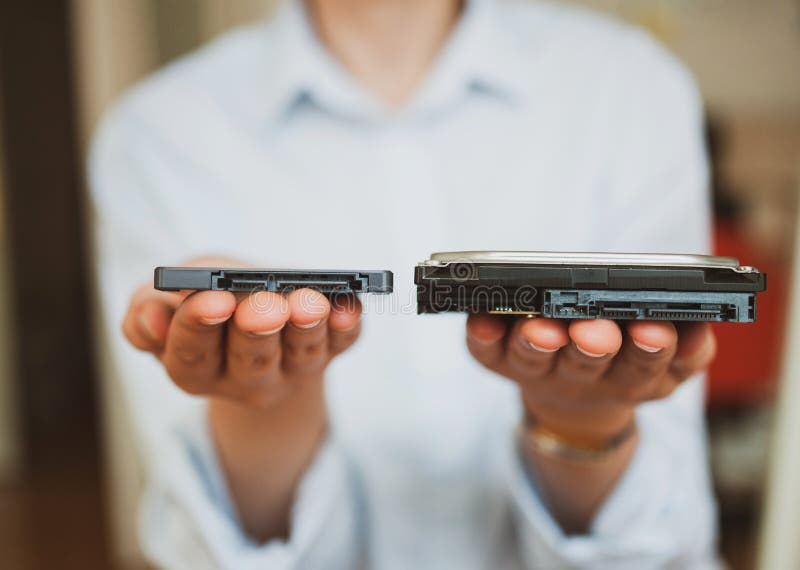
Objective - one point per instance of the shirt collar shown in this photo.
(479, 56)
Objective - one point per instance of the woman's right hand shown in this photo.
(254, 349)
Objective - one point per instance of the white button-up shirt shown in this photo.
(540, 128)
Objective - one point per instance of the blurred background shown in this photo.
(69, 479)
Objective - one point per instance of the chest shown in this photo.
(330, 193)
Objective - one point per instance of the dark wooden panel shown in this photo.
(48, 269)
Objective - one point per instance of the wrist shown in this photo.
(302, 409)
(582, 429)
(541, 441)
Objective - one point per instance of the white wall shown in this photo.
(779, 546)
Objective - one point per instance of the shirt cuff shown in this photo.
(659, 513)
(189, 521)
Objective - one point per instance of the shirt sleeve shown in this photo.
(187, 519)
(661, 513)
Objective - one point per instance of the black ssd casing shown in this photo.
(333, 281)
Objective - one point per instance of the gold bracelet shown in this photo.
(549, 443)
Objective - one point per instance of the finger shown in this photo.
(594, 344)
(146, 327)
(485, 335)
(147, 319)
(697, 347)
(533, 345)
(646, 354)
(344, 323)
(695, 350)
(252, 357)
(193, 355)
(305, 338)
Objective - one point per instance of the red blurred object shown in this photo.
(749, 355)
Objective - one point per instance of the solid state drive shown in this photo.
(275, 280)
(568, 285)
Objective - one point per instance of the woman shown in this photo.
(367, 133)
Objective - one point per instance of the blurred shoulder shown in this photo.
(611, 53)
(194, 89)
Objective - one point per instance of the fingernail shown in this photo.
(214, 321)
(309, 325)
(646, 348)
(590, 354)
(540, 349)
(269, 332)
